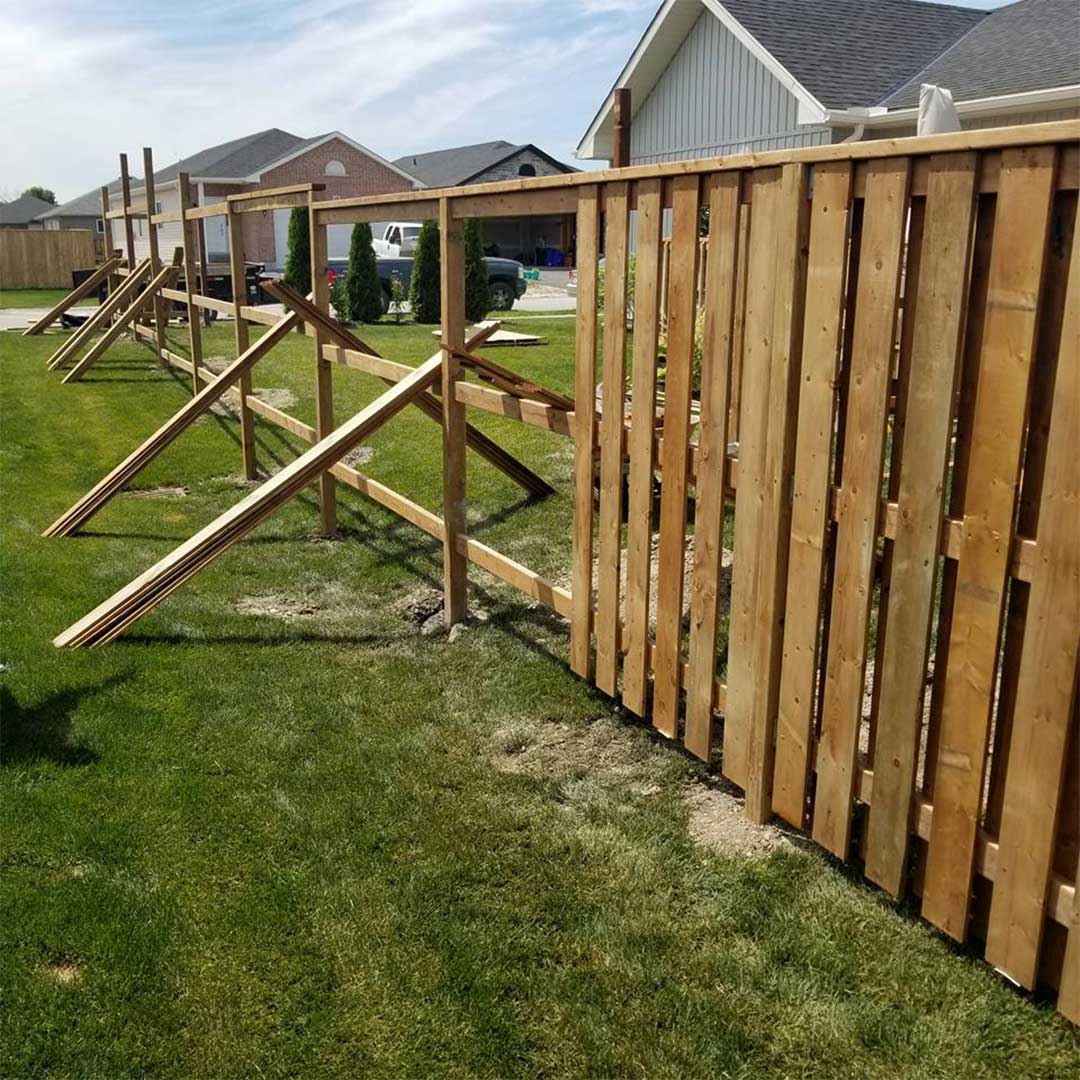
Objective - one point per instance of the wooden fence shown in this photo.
(879, 448)
(44, 258)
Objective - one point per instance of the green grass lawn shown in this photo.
(40, 298)
(241, 845)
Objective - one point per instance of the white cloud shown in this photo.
(78, 88)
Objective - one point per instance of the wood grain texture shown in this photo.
(1010, 323)
(723, 202)
(759, 291)
(588, 244)
(612, 427)
(937, 338)
(678, 386)
(858, 500)
(642, 445)
(452, 269)
(238, 275)
(1046, 684)
(811, 488)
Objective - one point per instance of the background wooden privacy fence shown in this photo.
(44, 259)
(843, 559)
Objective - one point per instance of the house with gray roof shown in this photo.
(713, 77)
(264, 159)
(21, 213)
(532, 240)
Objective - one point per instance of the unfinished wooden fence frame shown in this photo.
(889, 426)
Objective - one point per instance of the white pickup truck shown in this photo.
(398, 238)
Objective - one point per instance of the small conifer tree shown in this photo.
(362, 279)
(477, 300)
(298, 259)
(425, 292)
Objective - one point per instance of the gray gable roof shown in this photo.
(239, 157)
(849, 52)
(459, 164)
(86, 205)
(23, 210)
(1031, 45)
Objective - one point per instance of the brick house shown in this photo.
(266, 159)
(527, 239)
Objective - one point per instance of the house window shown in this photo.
(527, 170)
(335, 168)
(99, 225)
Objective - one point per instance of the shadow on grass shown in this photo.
(42, 731)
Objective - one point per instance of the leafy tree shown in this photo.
(362, 279)
(298, 260)
(42, 193)
(425, 290)
(477, 300)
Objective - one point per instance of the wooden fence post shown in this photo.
(188, 236)
(452, 266)
(106, 225)
(324, 385)
(160, 305)
(129, 231)
(238, 276)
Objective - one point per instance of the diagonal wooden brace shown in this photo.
(427, 402)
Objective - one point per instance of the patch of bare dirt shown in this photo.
(423, 608)
(159, 493)
(279, 606)
(718, 822)
(62, 970)
(276, 396)
(358, 457)
(615, 756)
(604, 751)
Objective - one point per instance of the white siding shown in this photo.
(715, 97)
(170, 235)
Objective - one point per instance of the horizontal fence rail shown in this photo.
(826, 487)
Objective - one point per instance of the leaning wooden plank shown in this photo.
(76, 294)
(101, 317)
(723, 199)
(773, 540)
(109, 619)
(1046, 684)
(609, 530)
(937, 339)
(161, 318)
(759, 285)
(678, 387)
(826, 274)
(105, 489)
(513, 383)
(588, 242)
(1010, 326)
(129, 316)
(859, 499)
(427, 403)
(642, 445)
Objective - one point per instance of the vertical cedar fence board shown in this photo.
(44, 258)
(826, 491)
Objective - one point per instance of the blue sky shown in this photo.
(80, 82)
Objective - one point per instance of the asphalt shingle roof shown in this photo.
(88, 204)
(851, 53)
(457, 164)
(1030, 45)
(239, 157)
(23, 210)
